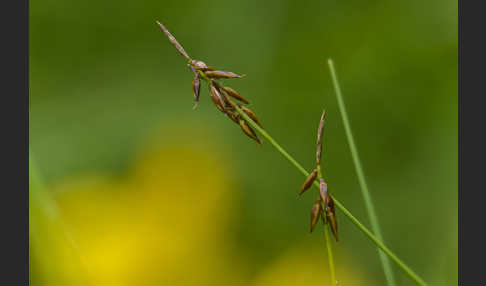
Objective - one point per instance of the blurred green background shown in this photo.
(147, 191)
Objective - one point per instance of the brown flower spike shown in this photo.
(324, 206)
(331, 216)
(220, 95)
(315, 213)
(233, 93)
(248, 131)
(196, 86)
(319, 138)
(308, 182)
(250, 114)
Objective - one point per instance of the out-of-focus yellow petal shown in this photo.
(162, 224)
(307, 266)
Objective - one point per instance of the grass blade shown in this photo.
(375, 226)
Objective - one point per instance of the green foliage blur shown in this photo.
(109, 93)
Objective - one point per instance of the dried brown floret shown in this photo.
(250, 114)
(233, 93)
(319, 137)
(331, 216)
(173, 41)
(308, 181)
(315, 213)
(221, 74)
(234, 116)
(196, 86)
(248, 130)
(216, 97)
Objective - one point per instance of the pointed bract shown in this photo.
(249, 131)
(331, 216)
(234, 116)
(250, 114)
(233, 93)
(216, 97)
(196, 87)
(315, 213)
(319, 137)
(221, 74)
(308, 181)
(225, 95)
(173, 41)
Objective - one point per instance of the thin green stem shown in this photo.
(375, 226)
(329, 255)
(37, 192)
(354, 220)
(40, 198)
(328, 240)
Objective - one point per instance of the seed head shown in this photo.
(216, 97)
(221, 96)
(233, 93)
(234, 116)
(224, 94)
(196, 86)
(250, 114)
(315, 213)
(248, 130)
(308, 181)
(331, 216)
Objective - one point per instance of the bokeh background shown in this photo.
(130, 186)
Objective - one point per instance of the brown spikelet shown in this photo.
(250, 114)
(233, 93)
(319, 137)
(315, 213)
(331, 216)
(196, 86)
(308, 181)
(323, 190)
(225, 95)
(216, 97)
(221, 74)
(173, 41)
(234, 116)
(200, 65)
(249, 131)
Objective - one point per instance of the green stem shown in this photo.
(329, 255)
(348, 214)
(375, 226)
(40, 198)
(328, 240)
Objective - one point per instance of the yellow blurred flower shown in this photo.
(308, 266)
(161, 224)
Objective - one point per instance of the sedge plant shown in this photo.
(224, 99)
